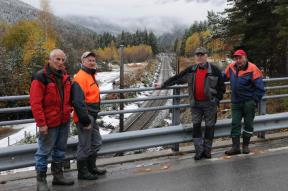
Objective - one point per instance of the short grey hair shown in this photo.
(55, 51)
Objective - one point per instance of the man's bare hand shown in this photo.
(88, 127)
(157, 85)
(43, 130)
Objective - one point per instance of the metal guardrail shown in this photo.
(28, 108)
(26, 97)
(136, 140)
(175, 107)
(23, 156)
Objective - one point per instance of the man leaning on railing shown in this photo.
(206, 89)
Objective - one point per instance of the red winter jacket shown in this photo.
(45, 100)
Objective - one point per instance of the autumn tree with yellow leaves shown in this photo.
(28, 44)
(108, 54)
(137, 53)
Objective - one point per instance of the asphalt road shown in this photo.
(261, 171)
(258, 173)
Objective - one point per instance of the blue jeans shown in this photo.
(55, 141)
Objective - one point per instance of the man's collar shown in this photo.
(204, 66)
(241, 68)
(88, 70)
(53, 71)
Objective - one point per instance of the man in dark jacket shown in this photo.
(206, 89)
(247, 90)
(86, 102)
(51, 108)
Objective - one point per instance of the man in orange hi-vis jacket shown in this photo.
(86, 102)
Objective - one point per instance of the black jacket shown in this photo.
(214, 83)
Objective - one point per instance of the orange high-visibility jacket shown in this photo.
(85, 96)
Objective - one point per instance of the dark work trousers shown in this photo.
(246, 110)
(204, 110)
(90, 141)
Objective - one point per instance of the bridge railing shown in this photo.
(22, 156)
(175, 106)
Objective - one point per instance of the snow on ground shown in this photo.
(29, 128)
(155, 149)
(130, 106)
(105, 80)
(168, 121)
(110, 121)
(107, 77)
(135, 64)
(113, 120)
(104, 131)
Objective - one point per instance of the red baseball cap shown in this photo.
(240, 52)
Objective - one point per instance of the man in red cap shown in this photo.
(247, 90)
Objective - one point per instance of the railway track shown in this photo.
(143, 120)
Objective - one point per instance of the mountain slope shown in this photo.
(159, 25)
(13, 10)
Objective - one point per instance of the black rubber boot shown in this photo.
(42, 182)
(208, 141)
(58, 177)
(83, 173)
(235, 150)
(245, 145)
(198, 144)
(207, 148)
(92, 168)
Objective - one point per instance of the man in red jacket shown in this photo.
(51, 108)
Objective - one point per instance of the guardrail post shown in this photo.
(121, 116)
(176, 115)
(262, 111)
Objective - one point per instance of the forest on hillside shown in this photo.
(25, 44)
(259, 27)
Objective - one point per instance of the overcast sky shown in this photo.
(186, 11)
